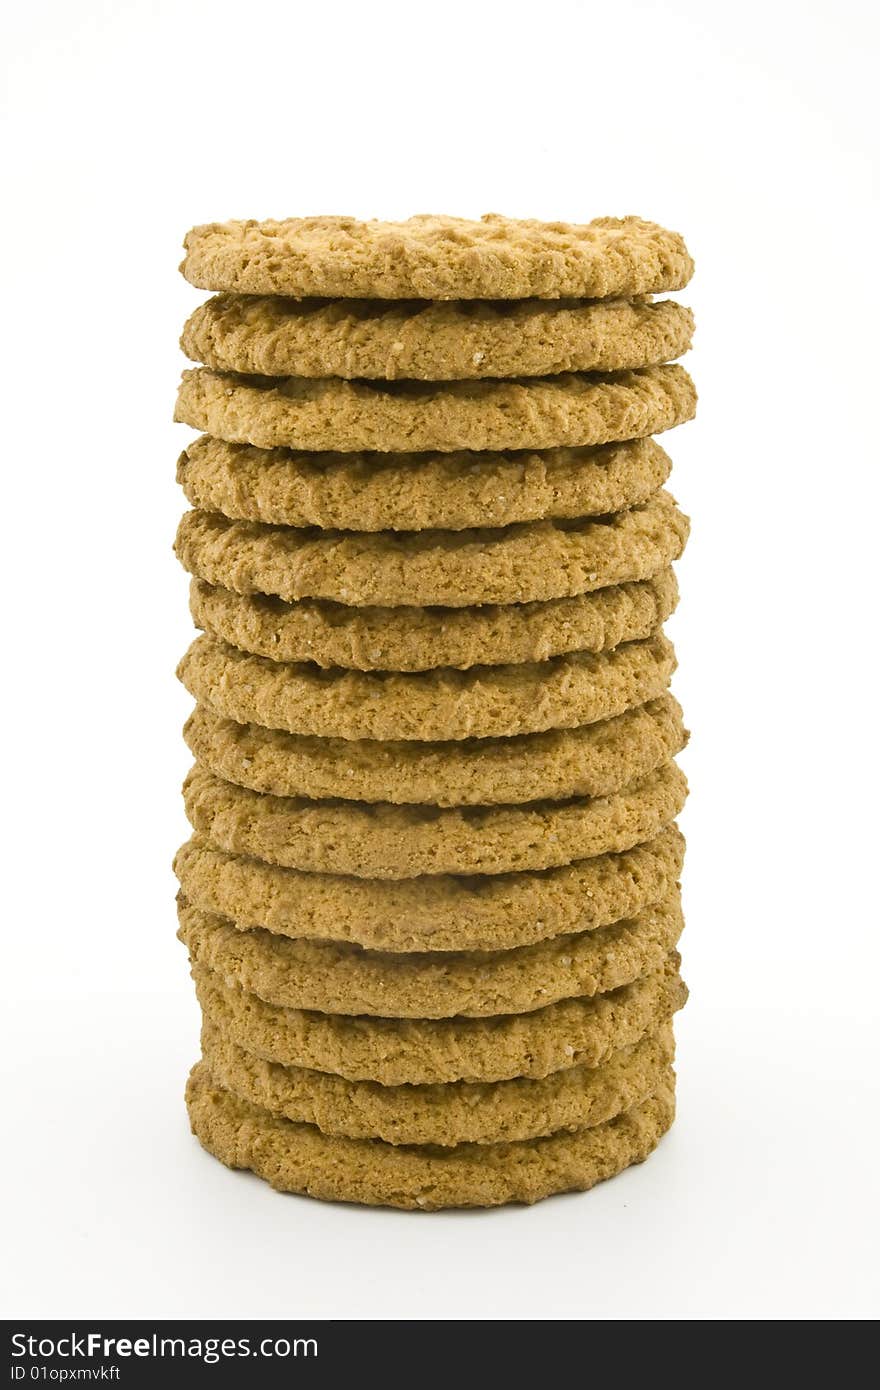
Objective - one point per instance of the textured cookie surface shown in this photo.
(409, 416)
(482, 702)
(272, 336)
(591, 760)
(300, 1158)
(437, 913)
(403, 842)
(455, 1113)
(417, 492)
(397, 1051)
(338, 978)
(437, 257)
(420, 639)
(536, 560)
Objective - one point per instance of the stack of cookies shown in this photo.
(431, 898)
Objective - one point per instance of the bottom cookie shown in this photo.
(296, 1157)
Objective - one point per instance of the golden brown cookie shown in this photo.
(420, 639)
(482, 702)
(571, 410)
(415, 340)
(437, 257)
(300, 1158)
(525, 563)
(338, 978)
(397, 1051)
(591, 760)
(457, 1112)
(436, 913)
(403, 842)
(417, 492)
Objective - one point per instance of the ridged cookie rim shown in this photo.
(432, 256)
(589, 760)
(525, 563)
(422, 1051)
(425, 1179)
(274, 335)
(569, 410)
(444, 1114)
(421, 639)
(331, 977)
(438, 705)
(416, 492)
(442, 913)
(380, 841)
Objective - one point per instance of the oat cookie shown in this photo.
(403, 842)
(458, 1112)
(591, 760)
(300, 1158)
(415, 340)
(483, 702)
(420, 639)
(536, 560)
(417, 492)
(437, 257)
(396, 1051)
(338, 978)
(571, 410)
(436, 913)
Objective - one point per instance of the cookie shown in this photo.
(419, 341)
(590, 760)
(300, 1158)
(399, 1051)
(459, 1112)
(524, 563)
(436, 257)
(403, 842)
(417, 492)
(571, 410)
(436, 913)
(482, 702)
(336, 978)
(421, 639)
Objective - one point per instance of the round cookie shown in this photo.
(482, 702)
(590, 760)
(300, 1158)
(437, 913)
(421, 639)
(417, 492)
(405, 842)
(337, 978)
(398, 1051)
(372, 338)
(571, 410)
(524, 563)
(437, 257)
(458, 1112)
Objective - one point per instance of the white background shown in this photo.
(747, 127)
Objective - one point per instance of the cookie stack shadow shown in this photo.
(431, 899)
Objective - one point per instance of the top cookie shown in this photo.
(428, 257)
